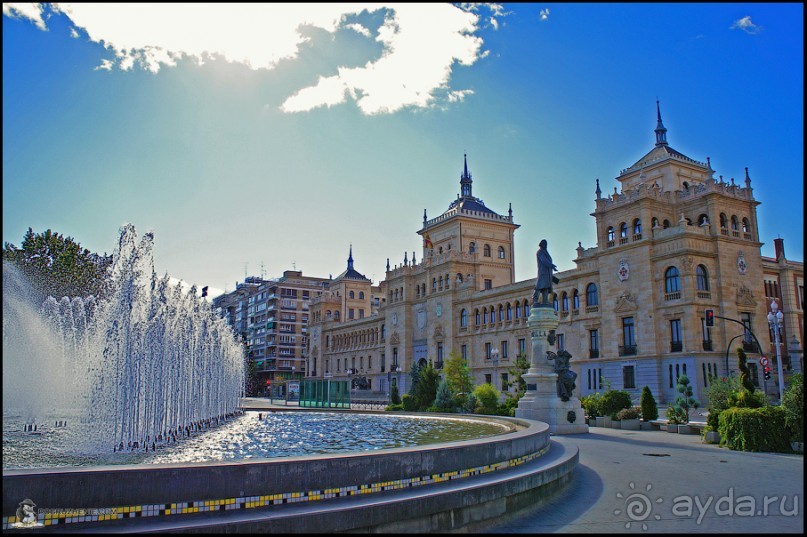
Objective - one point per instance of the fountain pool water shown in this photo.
(276, 434)
(143, 364)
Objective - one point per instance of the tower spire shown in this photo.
(350, 258)
(465, 180)
(661, 132)
(598, 191)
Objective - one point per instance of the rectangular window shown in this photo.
(745, 318)
(594, 343)
(488, 284)
(561, 341)
(383, 362)
(522, 346)
(628, 334)
(504, 349)
(439, 352)
(395, 356)
(487, 378)
(350, 313)
(628, 377)
(488, 349)
(505, 380)
(676, 344)
(464, 351)
(361, 313)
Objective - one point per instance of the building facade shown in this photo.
(271, 317)
(672, 243)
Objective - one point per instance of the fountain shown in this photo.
(144, 366)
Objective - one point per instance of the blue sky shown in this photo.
(274, 136)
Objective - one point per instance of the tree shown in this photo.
(793, 405)
(648, 405)
(488, 397)
(414, 374)
(516, 372)
(443, 400)
(457, 375)
(685, 401)
(426, 387)
(394, 396)
(745, 373)
(58, 266)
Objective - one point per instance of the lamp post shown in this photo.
(775, 322)
(495, 355)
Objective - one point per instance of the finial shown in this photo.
(747, 178)
(709, 163)
(465, 180)
(661, 132)
(732, 181)
(350, 257)
(388, 264)
(424, 217)
(406, 260)
(510, 211)
(413, 259)
(598, 191)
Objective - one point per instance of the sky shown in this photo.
(257, 138)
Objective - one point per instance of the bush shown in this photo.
(649, 408)
(409, 403)
(592, 404)
(470, 403)
(508, 408)
(613, 401)
(443, 399)
(676, 415)
(631, 413)
(746, 399)
(793, 404)
(754, 429)
(488, 398)
(685, 401)
(394, 407)
(718, 392)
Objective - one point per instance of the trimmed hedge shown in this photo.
(613, 401)
(409, 402)
(754, 429)
(648, 405)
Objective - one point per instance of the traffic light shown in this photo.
(710, 317)
(767, 373)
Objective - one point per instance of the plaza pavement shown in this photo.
(645, 481)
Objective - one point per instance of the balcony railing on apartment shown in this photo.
(676, 346)
(627, 350)
(594, 353)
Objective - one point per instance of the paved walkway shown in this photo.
(631, 480)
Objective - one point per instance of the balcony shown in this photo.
(592, 309)
(627, 350)
(707, 345)
(675, 295)
(676, 346)
(594, 353)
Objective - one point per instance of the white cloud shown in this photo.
(421, 43)
(30, 11)
(746, 26)
(544, 14)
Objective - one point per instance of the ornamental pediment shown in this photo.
(395, 339)
(625, 303)
(745, 297)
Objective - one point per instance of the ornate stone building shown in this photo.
(674, 242)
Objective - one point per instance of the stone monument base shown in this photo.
(553, 411)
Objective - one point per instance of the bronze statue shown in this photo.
(543, 285)
(566, 376)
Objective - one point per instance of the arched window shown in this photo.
(501, 313)
(396, 295)
(703, 219)
(654, 222)
(423, 289)
(472, 248)
(434, 284)
(336, 315)
(492, 314)
(447, 281)
(518, 310)
(672, 281)
(486, 250)
(623, 230)
(484, 316)
(459, 278)
(686, 186)
(610, 233)
(361, 295)
(746, 226)
(637, 227)
(509, 312)
(565, 301)
(666, 224)
(476, 316)
(501, 252)
(723, 221)
(735, 225)
(351, 295)
(526, 309)
(702, 278)
(440, 285)
(576, 300)
(440, 251)
(463, 318)
(592, 298)
(555, 303)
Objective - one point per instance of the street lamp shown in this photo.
(775, 322)
(495, 355)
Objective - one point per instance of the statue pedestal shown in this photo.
(541, 402)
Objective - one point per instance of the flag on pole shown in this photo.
(428, 241)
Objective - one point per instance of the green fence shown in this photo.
(325, 394)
